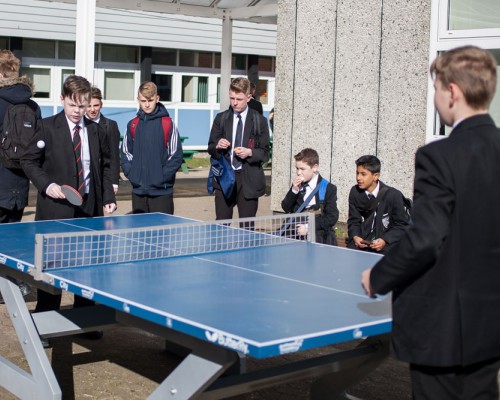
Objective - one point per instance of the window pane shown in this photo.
(266, 64)
(164, 57)
(204, 60)
(239, 62)
(218, 90)
(124, 54)
(474, 14)
(65, 73)
(118, 85)
(186, 59)
(41, 81)
(67, 50)
(261, 92)
(495, 104)
(39, 48)
(194, 89)
(4, 43)
(164, 84)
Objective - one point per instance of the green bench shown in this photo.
(186, 155)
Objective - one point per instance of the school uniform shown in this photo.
(250, 179)
(444, 273)
(50, 158)
(110, 127)
(382, 216)
(327, 213)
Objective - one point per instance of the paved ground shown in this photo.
(128, 364)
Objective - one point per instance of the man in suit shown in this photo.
(241, 135)
(110, 127)
(444, 273)
(53, 159)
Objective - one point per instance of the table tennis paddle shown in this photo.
(72, 195)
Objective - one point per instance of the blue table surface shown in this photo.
(261, 301)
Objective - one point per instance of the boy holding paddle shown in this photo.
(68, 161)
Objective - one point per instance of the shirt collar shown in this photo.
(72, 124)
(375, 191)
(313, 182)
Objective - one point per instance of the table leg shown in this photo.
(42, 383)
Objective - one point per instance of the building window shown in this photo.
(195, 89)
(473, 14)
(65, 73)
(4, 43)
(197, 59)
(119, 54)
(239, 62)
(164, 84)
(66, 50)
(39, 48)
(119, 85)
(164, 57)
(41, 81)
(266, 64)
(261, 92)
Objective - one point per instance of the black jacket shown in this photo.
(55, 163)
(14, 185)
(325, 220)
(445, 271)
(256, 137)
(384, 217)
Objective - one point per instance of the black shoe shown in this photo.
(25, 289)
(94, 335)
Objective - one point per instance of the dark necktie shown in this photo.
(370, 196)
(238, 139)
(77, 148)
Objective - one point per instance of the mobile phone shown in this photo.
(367, 242)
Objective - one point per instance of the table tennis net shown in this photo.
(78, 249)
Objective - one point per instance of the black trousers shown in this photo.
(473, 382)
(150, 204)
(8, 216)
(247, 208)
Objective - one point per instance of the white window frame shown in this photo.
(442, 39)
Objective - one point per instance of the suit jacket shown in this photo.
(445, 272)
(113, 135)
(325, 220)
(254, 181)
(391, 218)
(55, 163)
(256, 105)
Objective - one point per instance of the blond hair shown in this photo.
(474, 70)
(9, 64)
(148, 90)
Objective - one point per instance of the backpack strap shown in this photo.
(166, 123)
(322, 189)
(133, 127)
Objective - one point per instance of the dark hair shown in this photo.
(76, 87)
(473, 69)
(308, 156)
(371, 163)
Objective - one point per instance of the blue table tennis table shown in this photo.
(223, 305)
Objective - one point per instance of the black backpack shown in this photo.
(19, 125)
